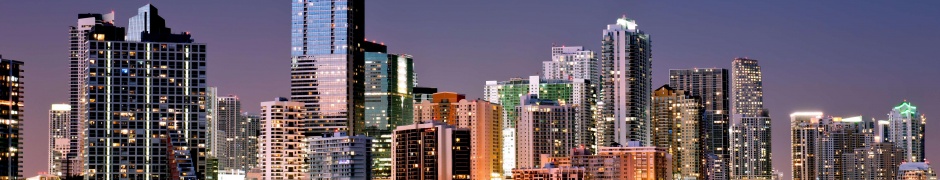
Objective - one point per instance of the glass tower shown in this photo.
(327, 68)
(11, 113)
(711, 85)
(389, 103)
(750, 123)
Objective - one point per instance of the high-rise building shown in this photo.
(389, 103)
(327, 67)
(839, 136)
(878, 160)
(907, 131)
(916, 171)
(236, 135)
(212, 106)
(484, 121)
(750, 125)
(431, 150)
(78, 54)
(804, 130)
(572, 62)
(544, 127)
(625, 163)
(626, 60)
(675, 126)
(59, 139)
(339, 156)
(145, 99)
(11, 111)
(711, 85)
(281, 143)
(577, 93)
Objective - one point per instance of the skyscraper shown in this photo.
(483, 120)
(804, 130)
(750, 125)
(145, 100)
(710, 84)
(59, 139)
(327, 67)
(282, 145)
(389, 103)
(78, 54)
(431, 150)
(675, 126)
(235, 134)
(626, 60)
(339, 156)
(907, 131)
(840, 136)
(11, 141)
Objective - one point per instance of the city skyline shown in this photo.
(427, 63)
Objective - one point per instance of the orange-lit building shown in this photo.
(484, 119)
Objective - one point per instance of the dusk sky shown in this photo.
(844, 58)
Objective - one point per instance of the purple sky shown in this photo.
(845, 58)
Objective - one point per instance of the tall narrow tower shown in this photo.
(626, 57)
(327, 67)
(750, 126)
(907, 131)
(11, 111)
(710, 84)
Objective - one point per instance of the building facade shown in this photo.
(907, 131)
(484, 121)
(327, 67)
(879, 160)
(11, 114)
(804, 130)
(712, 86)
(675, 126)
(916, 171)
(572, 62)
(543, 127)
(339, 156)
(750, 123)
(145, 100)
(282, 144)
(78, 55)
(839, 136)
(626, 53)
(389, 102)
(625, 163)
(431, 150)
(59, 140)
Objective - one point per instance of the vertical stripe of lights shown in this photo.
(186, 92)
(108, 112)
(149, 110)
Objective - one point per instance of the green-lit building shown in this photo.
(389, 102)
(576, 92)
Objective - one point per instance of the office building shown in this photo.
(626, 53)
(11, 114)
(59, 139)
(484, 121)
(712, 86)
(675, 126)
(328, 64)
(750, 123)
(431, 150)
(339, 156)
(837, 137)
(144, 103)
(916, 171)
(282, 145)
(876, 161)
(907, 131)
(544, 127)
(389, 102)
